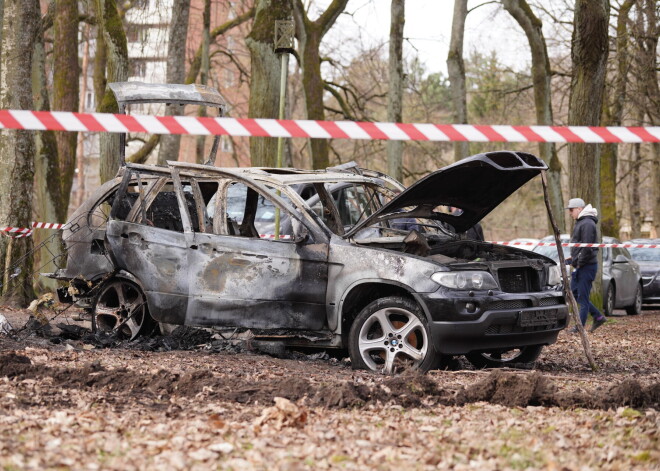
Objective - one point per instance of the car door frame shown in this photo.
(221, 264)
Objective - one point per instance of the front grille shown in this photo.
(498, 329)
(550, 301)
(513, 304)
(518, 280)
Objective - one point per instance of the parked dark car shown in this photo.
(622, 288)
(377, 271)
(649, 263)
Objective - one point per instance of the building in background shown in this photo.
(147, 32)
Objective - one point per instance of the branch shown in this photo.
(345, 111)
(222, 29)
(143, 153)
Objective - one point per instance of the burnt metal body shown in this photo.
(205, 253)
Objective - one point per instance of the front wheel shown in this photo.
(610, 300)
(391, 334)
(121, 307)
(636, 307)
(499, 359)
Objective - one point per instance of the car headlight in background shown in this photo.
(554, 275)
(465, 280)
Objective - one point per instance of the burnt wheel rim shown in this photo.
(508, 356)
(392, 339)
(121, 307)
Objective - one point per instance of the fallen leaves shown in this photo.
(122, 413)
(283, 414)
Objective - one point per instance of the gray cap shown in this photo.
(576, 203)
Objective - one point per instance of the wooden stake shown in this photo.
(573, 306)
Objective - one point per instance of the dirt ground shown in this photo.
(69, 400)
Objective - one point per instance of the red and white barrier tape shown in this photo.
(569, 244)
(18, 232)
(100, 122)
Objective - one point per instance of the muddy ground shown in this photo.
(69, 400)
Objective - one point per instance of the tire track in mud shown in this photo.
(411, 390)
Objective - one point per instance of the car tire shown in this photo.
(523, 356)
(391, 335)
(636, 307)
(609, 302)
(121, 308)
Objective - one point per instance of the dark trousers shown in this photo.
(581, 282)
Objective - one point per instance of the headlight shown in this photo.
(465, 280)
(554, 275)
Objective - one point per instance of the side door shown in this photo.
(245, 272)
(624, 276)
(146, 237)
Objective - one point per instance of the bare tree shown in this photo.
(47, 201)
(66, 75)
(456, 70)
(20, 23)
(589, 55)
(310, 34)
(176, 73)
(541, 74)
(116, 55)
(264, 86)
(613, 116)
(395, 92)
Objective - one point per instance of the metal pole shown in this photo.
(284, 31)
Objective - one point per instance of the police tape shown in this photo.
(575, 244)
(18, 232)
(120, 123)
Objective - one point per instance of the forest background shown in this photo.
(583, 62)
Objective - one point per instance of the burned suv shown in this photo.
(358, 265)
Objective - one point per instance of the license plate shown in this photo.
(534, 318)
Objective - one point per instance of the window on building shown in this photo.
(138, 68)
(225, 144)
(89, 101)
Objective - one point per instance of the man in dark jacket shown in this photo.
(584, 259)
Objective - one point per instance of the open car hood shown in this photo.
(476, 184)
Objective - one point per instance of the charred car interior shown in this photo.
(340, 258)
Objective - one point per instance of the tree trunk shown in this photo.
(116, 51)
(395, 92)
(176, 73)
(47, 204)
(20, 24)
(635, 200)
(613, 116)
(650, 74)
(66, 74)
(456, 71)
(589, 54)
(310, 34)
(204, 76)
(589, 48)
(265, 80)
(541, 74)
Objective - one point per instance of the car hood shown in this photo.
(649, 268)
(476, 184)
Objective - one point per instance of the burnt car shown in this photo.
(649, 263)
(386, 277)
(622, 278)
